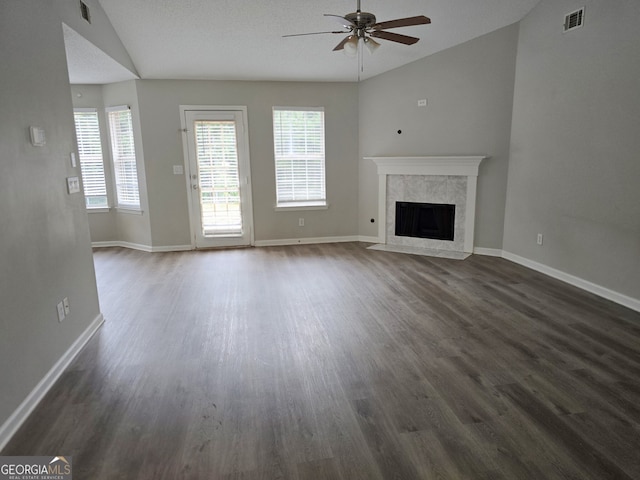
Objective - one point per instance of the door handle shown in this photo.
(195, 186)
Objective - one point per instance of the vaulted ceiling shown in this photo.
(242, 39)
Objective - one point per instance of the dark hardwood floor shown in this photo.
(337, 362)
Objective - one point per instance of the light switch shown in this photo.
(38, 138)
(72, 156)
(178, 170)
(60, 308)
(73, 185)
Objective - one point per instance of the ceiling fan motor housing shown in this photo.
(361, 20)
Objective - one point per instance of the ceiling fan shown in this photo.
(363, 27)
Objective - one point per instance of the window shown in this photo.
(90, 154)
(299, 156)
(124, 157)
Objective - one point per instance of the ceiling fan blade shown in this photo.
(343, 21)
(402, 22)
(311, 33)
(340, 46)
(394, 37)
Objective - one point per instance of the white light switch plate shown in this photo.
(60, 308)
(178, 170)
(38, 137)
(73, 185)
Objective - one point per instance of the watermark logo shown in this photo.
(35, 468)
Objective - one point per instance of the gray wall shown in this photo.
(574, 167)
(159, 102)
(45, 252)
(469, 89)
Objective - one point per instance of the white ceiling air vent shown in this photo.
(84, 11)
(574, 20)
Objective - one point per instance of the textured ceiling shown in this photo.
(242, 39)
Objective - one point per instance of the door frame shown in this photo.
(243, 139)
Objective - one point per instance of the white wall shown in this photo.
(45, 252)
(159, 102)
(469, 89)
(574, 171)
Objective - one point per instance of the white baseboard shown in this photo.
(133, 246)
(624, 300)
(172, 248)
(489, 252)
(13, 423)
(365, 239)
(141, 247)
(305, 241)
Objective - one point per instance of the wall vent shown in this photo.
(574, 20)
(84, 11)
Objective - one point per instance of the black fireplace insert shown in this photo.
(425, 220)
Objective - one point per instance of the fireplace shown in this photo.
(427, 180)
(425, 220)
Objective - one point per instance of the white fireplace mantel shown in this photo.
(466, 166)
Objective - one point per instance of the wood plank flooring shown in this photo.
(337, 362)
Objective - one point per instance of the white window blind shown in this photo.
(91, 160)
(124, 157)
(219, 182)
(299, 156)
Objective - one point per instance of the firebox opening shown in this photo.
(425, 220)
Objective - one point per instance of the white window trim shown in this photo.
(123, 208)
(300, 205)
(98, 210)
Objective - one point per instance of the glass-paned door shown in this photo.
(218, 178)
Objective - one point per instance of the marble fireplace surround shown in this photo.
(452, 172)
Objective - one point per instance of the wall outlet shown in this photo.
(67, 308)
(301, 222)
(60, 311)
(539, 239)
(422, 102)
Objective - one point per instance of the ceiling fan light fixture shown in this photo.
(351, 46)
(371, 44)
